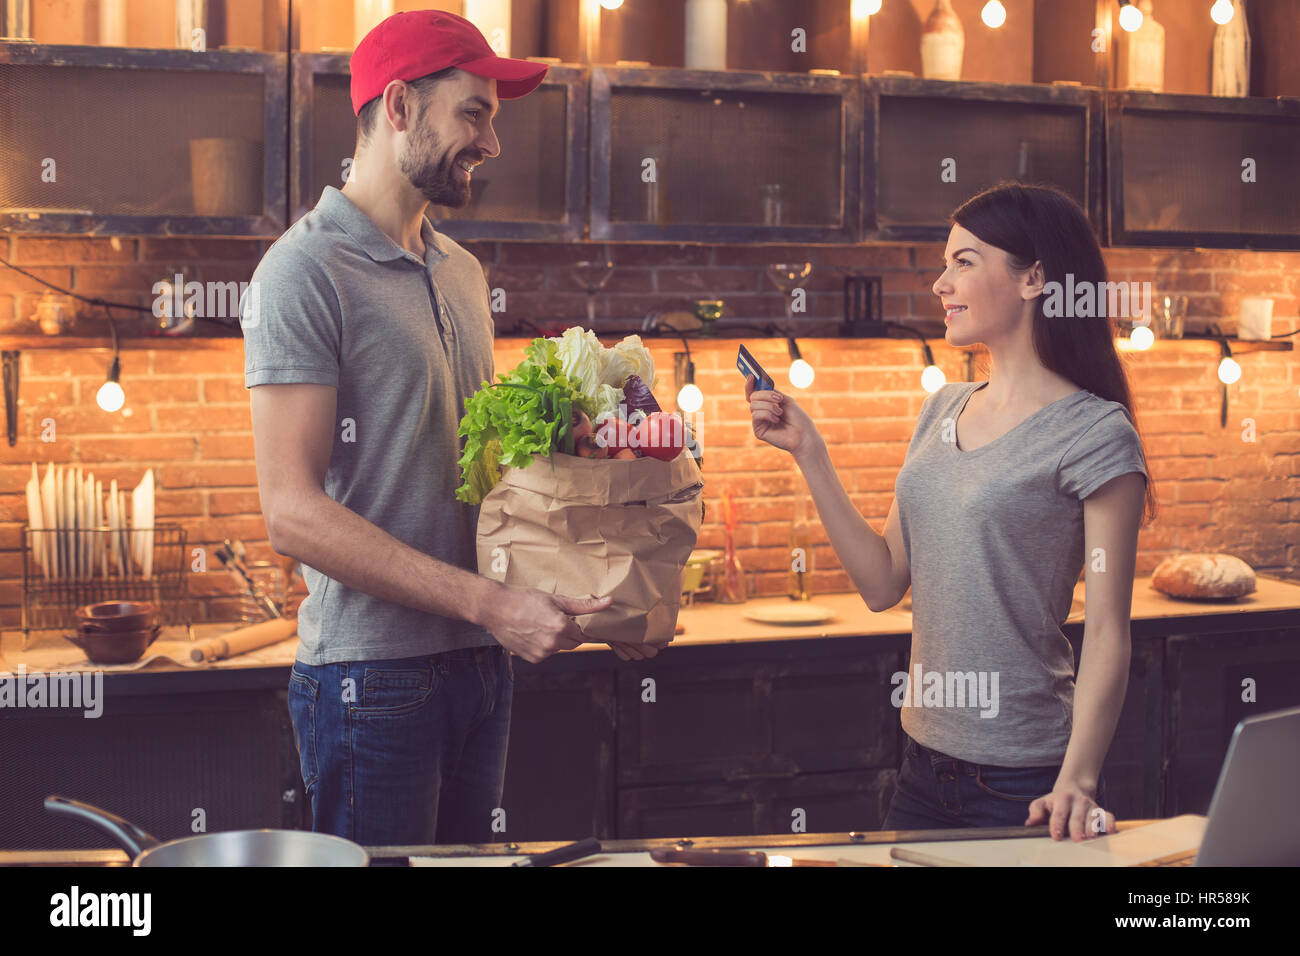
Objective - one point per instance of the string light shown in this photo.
(1221, 12)
(801, 373)
(1130, 17)
(994, 14)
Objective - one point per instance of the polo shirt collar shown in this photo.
(363, 231)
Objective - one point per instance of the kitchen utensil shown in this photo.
(801, 613)
(116, 647)
(267, 598)
(924, 859)
(231, 848)
(564, 854)
(118, 615)
(244, 639)
(11, 377)
(730, 858)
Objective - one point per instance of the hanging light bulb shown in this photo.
(1141, 337)
(994, 14)
(932, 379)
(110, 396)
(1221, 12)
(690, 398)
(1229, 370)
(801, 373)
(611, 4)
(864, 8)
(1130, 17)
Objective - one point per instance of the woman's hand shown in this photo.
(779, 421)
(1071, 808)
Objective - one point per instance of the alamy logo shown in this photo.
(1086, 300)
(102, 909)
(947, 689)
(77, 690)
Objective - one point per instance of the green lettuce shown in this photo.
(529, 412)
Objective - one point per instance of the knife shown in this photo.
(729, 858)
(565, 854)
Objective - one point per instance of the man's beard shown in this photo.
(437, 179)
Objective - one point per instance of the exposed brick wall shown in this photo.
(189, 411)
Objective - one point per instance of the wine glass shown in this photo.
(788, 276)
(592, 276)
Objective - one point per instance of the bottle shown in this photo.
(1142, 65)
(1231, 56)
(801, 552)
(942, 43)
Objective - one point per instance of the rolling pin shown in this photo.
(244, 639)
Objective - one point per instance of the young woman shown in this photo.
(1007, 488)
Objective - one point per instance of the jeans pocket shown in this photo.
(1022, 784)
(304, 692)
(392, 692)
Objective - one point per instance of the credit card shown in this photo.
(749, 366)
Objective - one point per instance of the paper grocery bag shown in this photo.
(592, 528)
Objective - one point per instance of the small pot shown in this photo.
(115, 616)
(116, 647)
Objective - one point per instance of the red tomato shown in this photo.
(661, 436)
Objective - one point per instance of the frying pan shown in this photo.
(231, 848)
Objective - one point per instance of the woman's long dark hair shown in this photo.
(1042, 224)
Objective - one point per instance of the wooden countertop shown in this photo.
(708, 623)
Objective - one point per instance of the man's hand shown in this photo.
(534, 624)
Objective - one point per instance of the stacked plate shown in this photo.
(69, 511)
(115, 632)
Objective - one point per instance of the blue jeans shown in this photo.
(936, 792)
(406, 751)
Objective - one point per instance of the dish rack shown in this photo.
(104, 569)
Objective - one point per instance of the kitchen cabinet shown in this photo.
(1203, 171)
(536, 188)
(123, 166)
(712, 156)
(931, 145)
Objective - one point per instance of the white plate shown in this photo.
(793, 613)
(47, 509)
(142, 518)
(37, 521)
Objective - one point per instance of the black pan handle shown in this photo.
(127, 835)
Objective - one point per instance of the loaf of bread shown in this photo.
(1214, 576)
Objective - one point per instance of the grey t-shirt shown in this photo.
(405, 341)
(994, 537)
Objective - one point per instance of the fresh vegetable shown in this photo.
(529, 412)
(660, 436)
(567, 395)
(638, 396)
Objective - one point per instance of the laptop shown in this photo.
(1252, 817)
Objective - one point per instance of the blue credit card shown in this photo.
(749, 366)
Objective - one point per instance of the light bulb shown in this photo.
(611, 4)
(801, 374)
(933, 379)
(690, 398)
(110, 396)
(864, 8)
(1221, 12)
(994, 14)
(1130, 18)
(1229, 371)
(1141, 337)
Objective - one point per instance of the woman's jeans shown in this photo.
(936, 791)
(407, 751)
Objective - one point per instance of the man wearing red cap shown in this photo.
(372, 329)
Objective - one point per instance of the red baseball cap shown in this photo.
(409, 45)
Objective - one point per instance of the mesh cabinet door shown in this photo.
(535, 188)
(1204, 171)
(934, 145)
(141, 142)
(725, 157)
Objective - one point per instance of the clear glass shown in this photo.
(1170, 313)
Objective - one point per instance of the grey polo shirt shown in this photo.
(405, 341)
